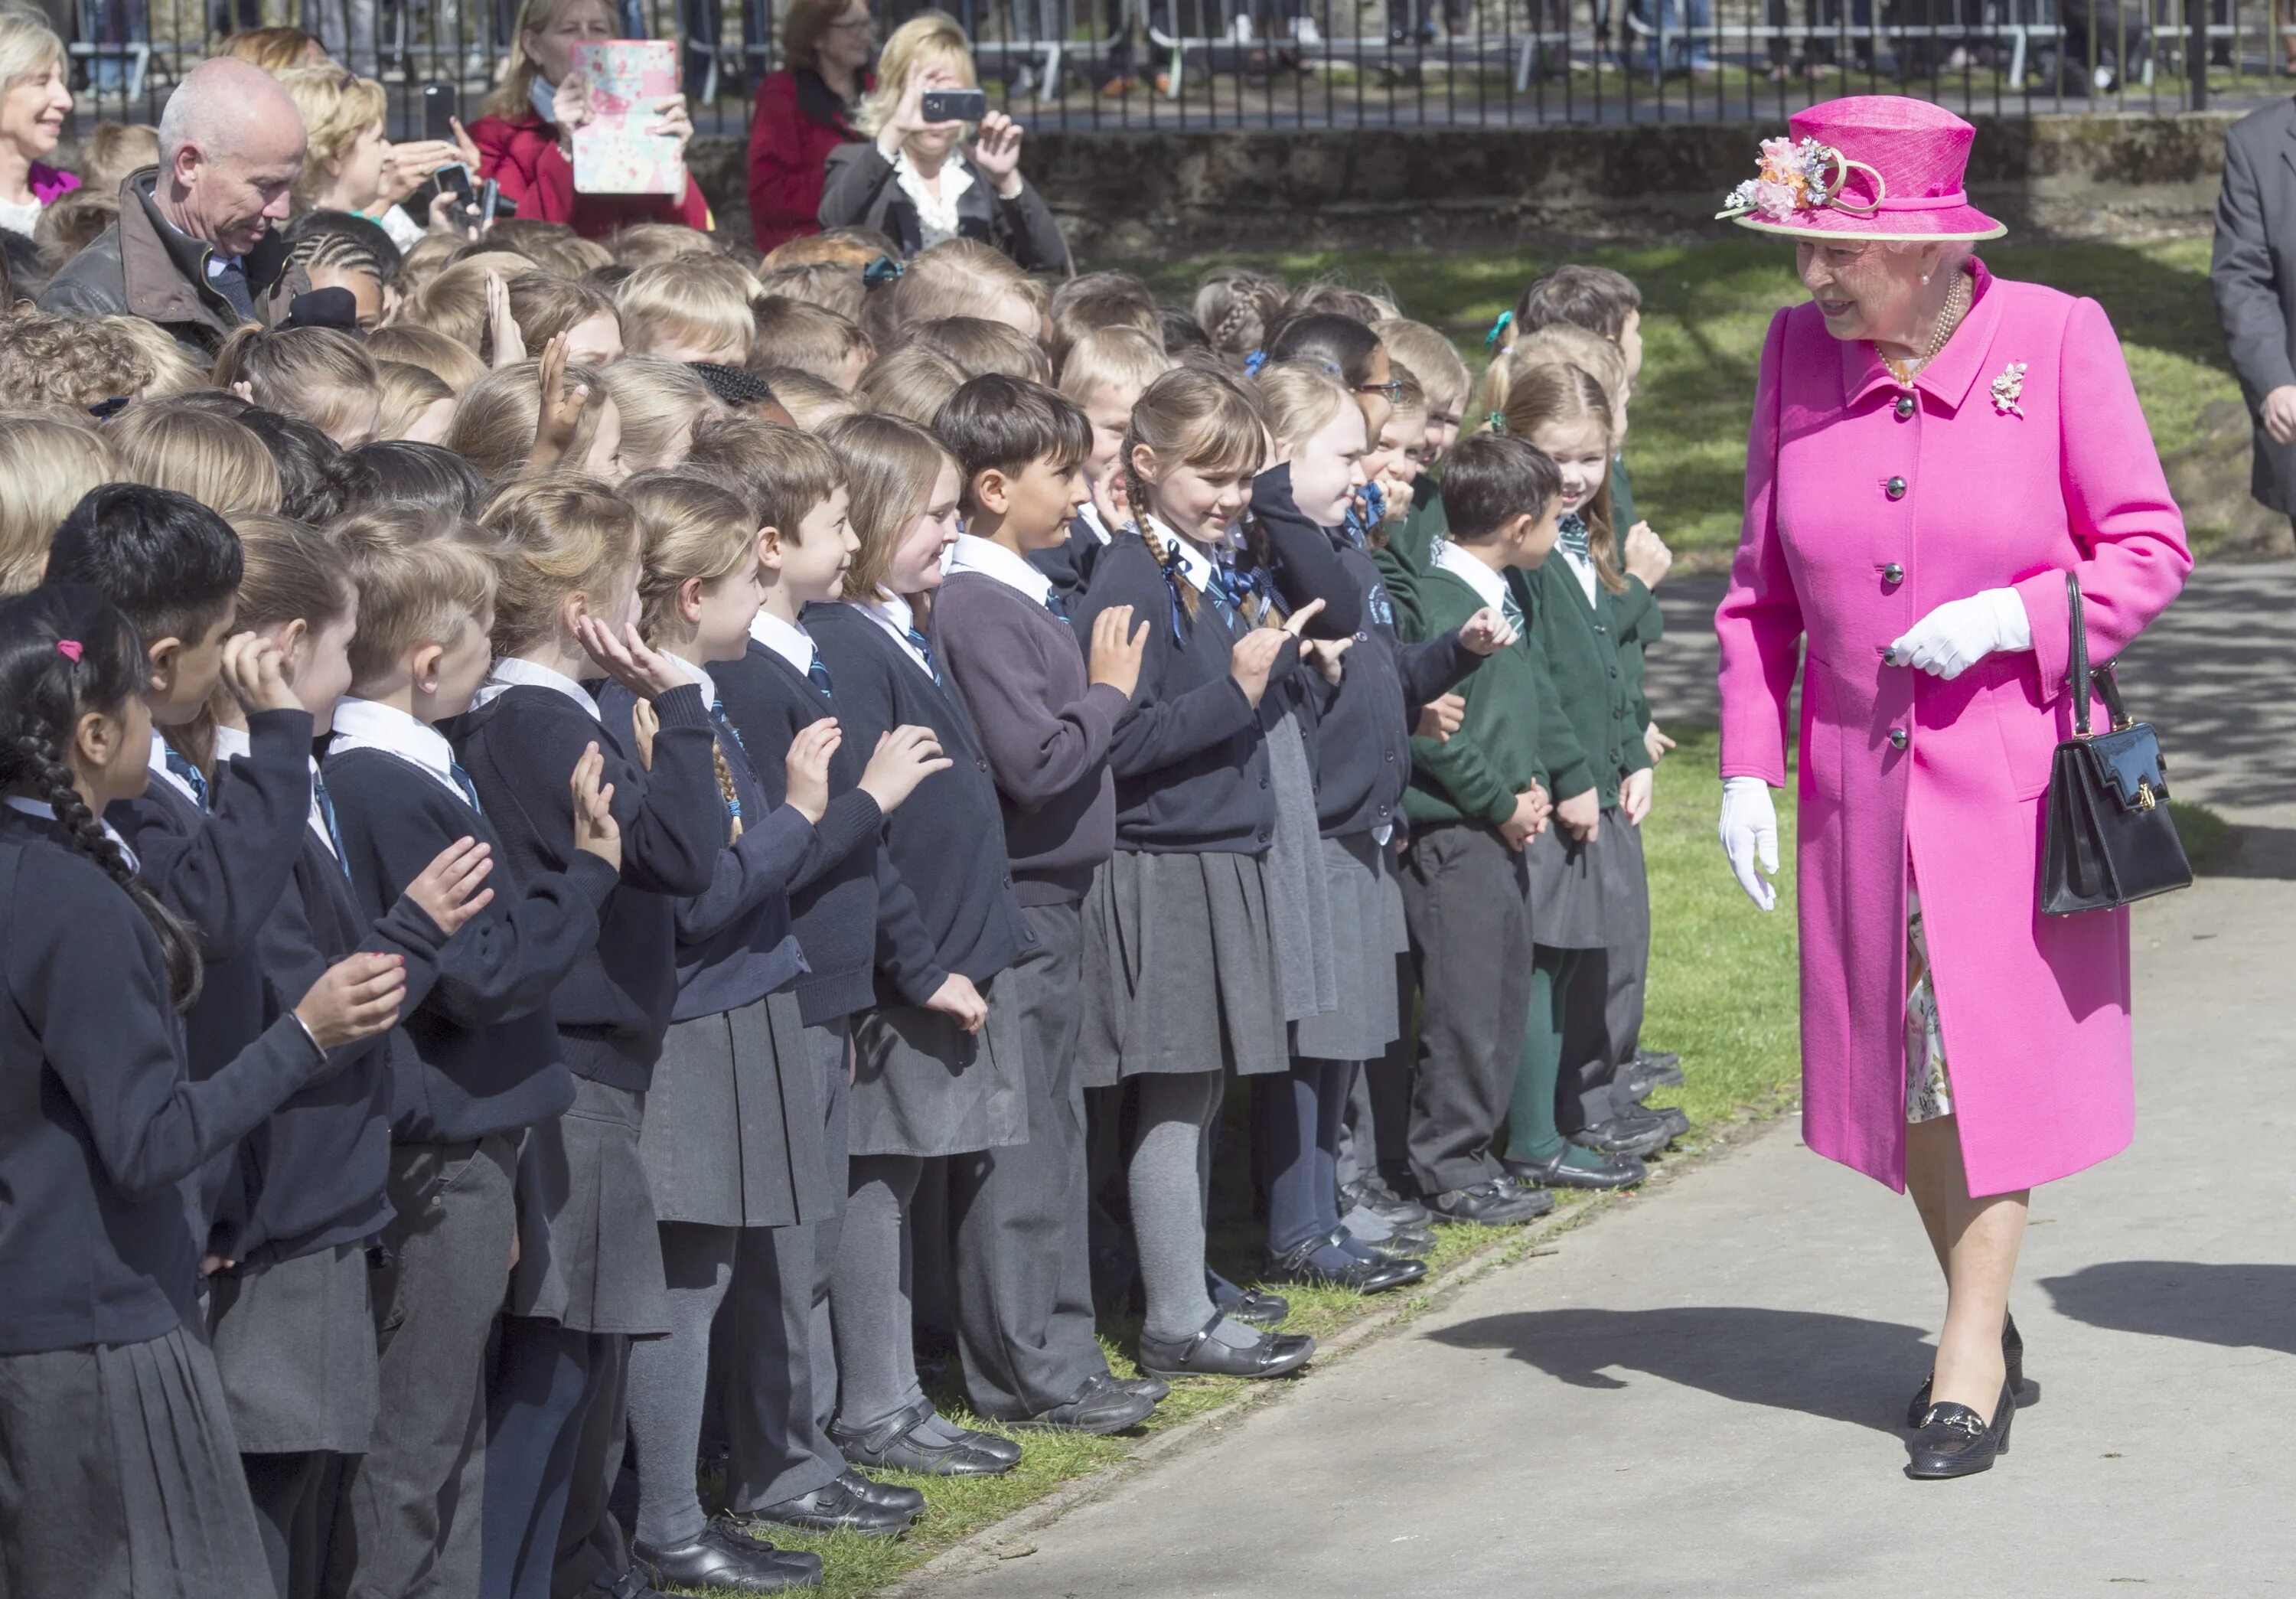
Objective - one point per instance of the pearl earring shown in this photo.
(1925, 277)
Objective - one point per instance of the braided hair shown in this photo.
(1194, 417)
(65, 651)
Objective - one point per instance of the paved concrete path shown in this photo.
(1698, 1393)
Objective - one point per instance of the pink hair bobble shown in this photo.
(69, 649)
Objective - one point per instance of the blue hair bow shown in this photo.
(881, 271)
(1505, 321)
(1253, 362)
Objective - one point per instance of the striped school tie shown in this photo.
(817, 674)
(326, 804)
(463, 782)
(918, 643)
(184, 772)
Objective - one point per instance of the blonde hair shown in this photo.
(1572, 346)
(850, 247)
(892, 465)
(957, 277)
(219, 461)
(648, 244)
(687, 301)
(454, 365)
(914, 382)
(793, 332)
(693, 529)
(47, 463)
(275, 50)
(1101, 299)
(545, 307)
(657, 400)
(113, 150)
(317, 374)
(1113, 360)
(29, 46)
(1297, 400)
(812, 402)
(452, 301)
(78, 363)
(496, 422)
(173, 372)
(513, 97)
(978, 347)
(1235, 307)
(338, 108)
(555, 247)
(931, 38)
(555, 536)
(408, 392)
(418, 582)
(781, 473)
(290, 571)
(1196, 417)
(1559, 394)
(1433, 360)
(832, 285)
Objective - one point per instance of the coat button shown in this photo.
(1898, 738)
(1263, 783)
(1262, 835)
(1895, 489)
(1391, 757)
(982, 765)
(1893, 573)
(1905, 406)
(1008, 880)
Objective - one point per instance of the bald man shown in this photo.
(198, 248)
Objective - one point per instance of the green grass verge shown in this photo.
(1723, 992)
(1705, 306)
(2207, 837)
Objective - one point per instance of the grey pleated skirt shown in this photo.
(1299, 904)
(1367, 933)
(119, 1476)
(923, 1086)
(1577, 891)
(1179, 969)
(733, 1122)
(294, 1347)
(589, 1253)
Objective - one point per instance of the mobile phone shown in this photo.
(492, 207)
(954, 105)
(442, 103)
(455, 179)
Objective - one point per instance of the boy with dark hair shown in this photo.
(1593, 298)
(1475, 800)
(1044, 718)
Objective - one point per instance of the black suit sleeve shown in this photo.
(2246, 277)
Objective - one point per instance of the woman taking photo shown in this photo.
(914, 185)
(526, 138)
(804, 113)
(349, 163)
(1933, 449)
(34, 102)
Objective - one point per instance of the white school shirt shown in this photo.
(990, 559)
(1582, 567)
(1488, 584)
(697, 675)
(365, 725)
(895, 616)
(1195, 565)
(42, 810)
(1091, 515)
(510, 672)
(788, 640)
(158, 761)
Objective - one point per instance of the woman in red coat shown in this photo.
(526, 138)
(804, 113)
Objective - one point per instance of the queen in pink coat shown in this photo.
(1932, 449)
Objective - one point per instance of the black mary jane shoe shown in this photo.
(1274, 1355)
(1375, 1276)
(1102, 1407)
(732, 1565)
(1956, 1441)
(2012, 1350)
(1257, 1309)
(898, 1444)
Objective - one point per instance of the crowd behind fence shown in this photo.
(1275, 63)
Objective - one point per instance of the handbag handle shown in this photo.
(2080, 679)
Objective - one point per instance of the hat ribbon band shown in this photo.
(1927, 202)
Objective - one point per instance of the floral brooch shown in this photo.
(2008, 388)
(1805, 177)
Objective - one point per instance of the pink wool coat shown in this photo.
(1863, 514)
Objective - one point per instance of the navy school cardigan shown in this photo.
(520, 748)
(947, 841)
(479, 1055)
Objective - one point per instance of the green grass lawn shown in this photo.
(1723, 992)
(1705, 306)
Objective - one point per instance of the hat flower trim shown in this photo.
(1808, 176)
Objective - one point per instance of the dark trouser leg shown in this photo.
(592, 1550)
(1296, 1127)
(869, 1293)
(286, 1490)
(543, 1381)
(1386, 1083)
(1532, 1134)
(1023, 1272)
(668, 1377)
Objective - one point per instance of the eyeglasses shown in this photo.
(854, 25)
(1392, 388)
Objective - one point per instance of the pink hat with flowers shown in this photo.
(1868, 166)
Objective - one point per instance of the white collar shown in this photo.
(366, 724)
(937, 214)
(788, 640)
(1091, 515)
(47, 812)
(512, 672)
(1195, 565)
(230, 742)
(1487, 583)
(993, 559)
(696, 674)
(157, 762)
(1582, 567)
(898, 618)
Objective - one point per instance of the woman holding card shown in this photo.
(526, 138)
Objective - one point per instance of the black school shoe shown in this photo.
(735, 1565)
(1496, 1203)
(1664, 1064)
(895, 1444)
(1274, 1355)
(1102, 1407)
(1383, 1202)
(1616, 1171)
(1374, 1275)
(1636, 1132)
(1956, 1441)
(841, 1506)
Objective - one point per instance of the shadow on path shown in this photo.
(1840, 1368)
(2238, 1306)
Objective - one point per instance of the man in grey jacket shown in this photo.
(2255, 281)
(197, 248)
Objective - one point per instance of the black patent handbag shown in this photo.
(2110, 840)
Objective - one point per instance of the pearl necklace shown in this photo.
(1956, 306)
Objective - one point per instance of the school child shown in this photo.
(939, 1062)
(477, 1063)
(1104, 374)
(1300, 524)
(1478, 798)
(589, 1275)
(1194, 821)
(780, 1390)
(731, 1139)
(1044, 715)
(1587, 890)
(289, 1316)
(694, 308)
(123, 1478)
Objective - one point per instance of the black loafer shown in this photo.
(1676, 1119)
(1384, 1203)
(1405, 1244)
(1636, 1132)
(1956, 1441)
(1616, 1171)
(837, 1506)
(1361, 1276)
(2012, 1351)
(1664, 1065)
(1102, 1406)
(1492, 1204)
(1274, 1354)
(736, 1565)
(895, 1444)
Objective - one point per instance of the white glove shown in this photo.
(1960, 633)
(1750, 832)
